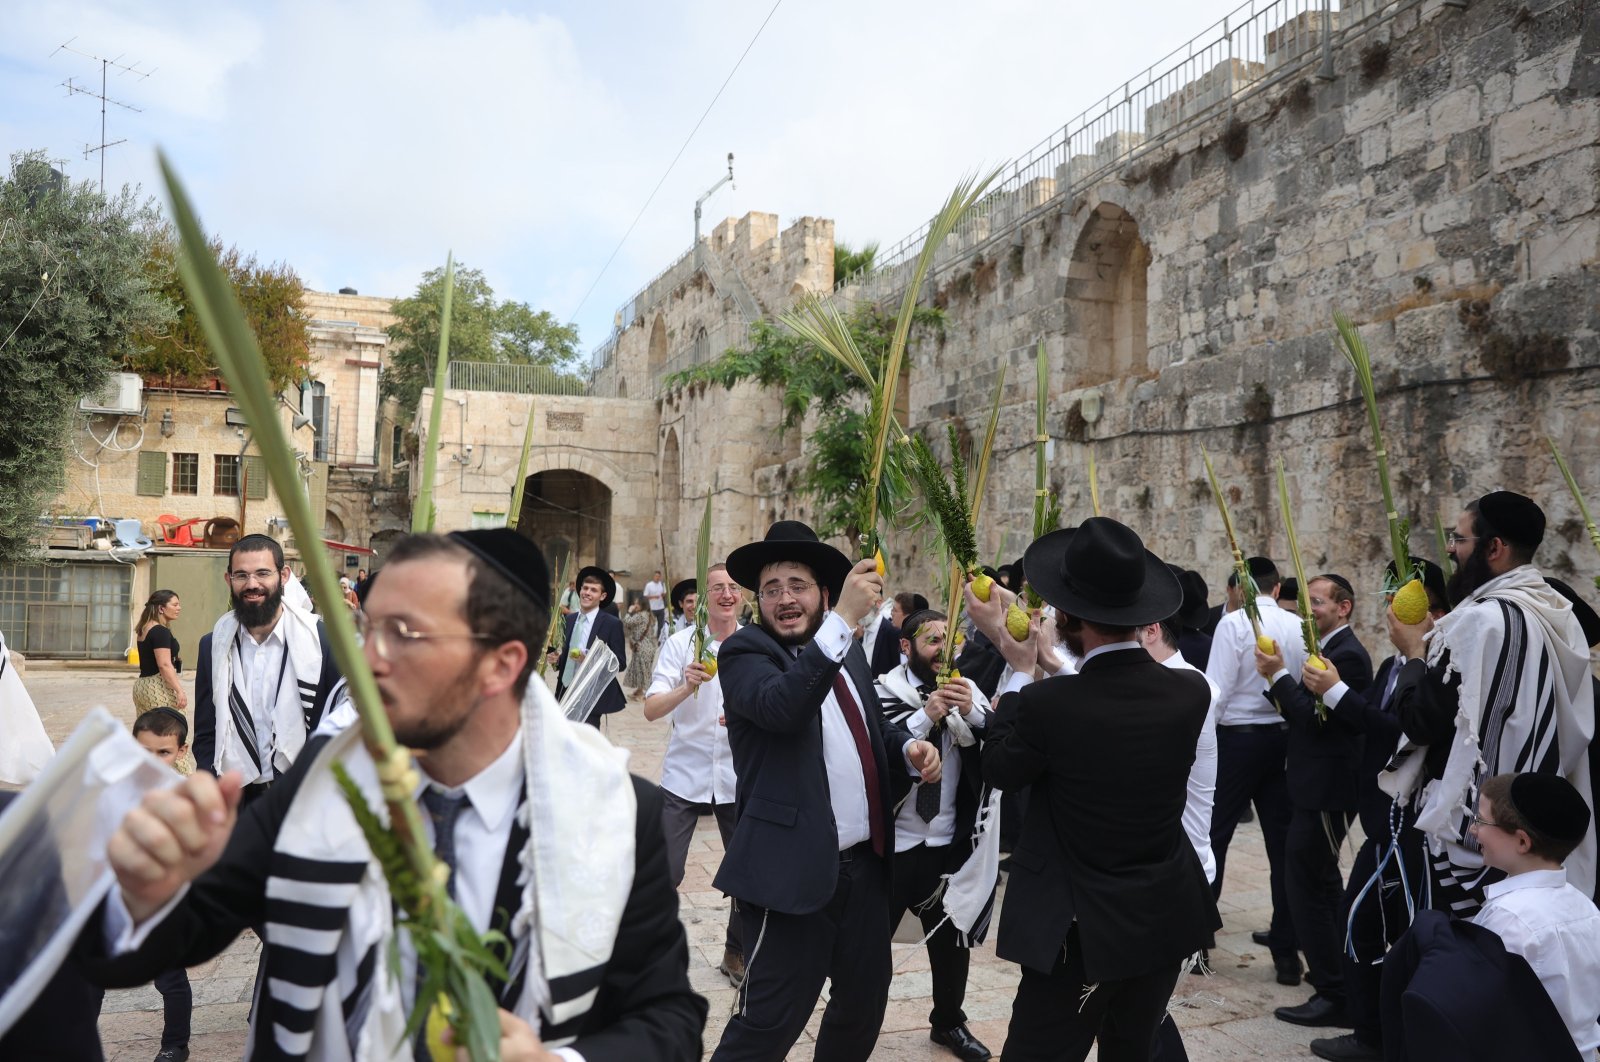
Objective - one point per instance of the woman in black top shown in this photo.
(157, 685)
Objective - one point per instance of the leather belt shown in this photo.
(1253, 728)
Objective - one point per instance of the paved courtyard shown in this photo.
(1224, 1017)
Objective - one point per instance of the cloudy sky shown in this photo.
(359, 141)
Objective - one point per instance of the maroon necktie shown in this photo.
(869, 765)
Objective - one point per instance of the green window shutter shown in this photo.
(152, 473)
(256, 469)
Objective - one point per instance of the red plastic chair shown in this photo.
(175, 532)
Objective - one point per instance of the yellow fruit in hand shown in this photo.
(954, 676)
(709, 662)
(1316, 663)
(1410, 603)
(982, 587)
(438, 1022)
(1266, 645)
(1017, 622)
(881, 570)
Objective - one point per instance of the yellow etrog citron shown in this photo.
(982, 587)
(1317, 663)
(1017, 622)
(881, 570)
(1410, 603)
(438, 1022)
(1266, 645)
(709, 662)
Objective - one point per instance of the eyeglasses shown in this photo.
(260, 575)
(719, 589)
(795, 588)
(1479, 820)
(1455, 540)
(388, 635)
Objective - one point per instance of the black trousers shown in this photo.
(678, 820)
(1250, 770)
(177, 1005)
(787, 958)
(1376, 923)
(916, 876)
(1058, 1016)
(1316, 890)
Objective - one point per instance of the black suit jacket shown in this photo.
(1452, 993)
(205, 707)
(1107, 752)
(644, 1009)
(1368, 714)
(885, 649)
(784, 854)
(606, 628)
(1324, 758)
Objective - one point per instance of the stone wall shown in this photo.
(1441, 190)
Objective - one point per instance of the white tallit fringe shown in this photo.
(1474, 637)
(304, 647)
(577, 869)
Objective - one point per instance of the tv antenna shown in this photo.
(106, 65)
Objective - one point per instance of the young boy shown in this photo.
(164, 732)
(1526, 825)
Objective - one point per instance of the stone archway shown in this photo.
(657, 362)
(569, 514)
(1107, 311)
(671, 480)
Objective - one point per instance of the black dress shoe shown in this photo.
(1346, 1048)
(1318, 1011)
(961, 1042)
(1289, 969)
(1262, 938)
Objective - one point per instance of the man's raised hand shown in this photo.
(863, 589)
(171, 838)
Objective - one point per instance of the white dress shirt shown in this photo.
(698, 766)
(1232, 666)
(264, 674)
(847, 783)
(909, 829)
(1202, 775)
(1557, 929)
(655, 595)
(580, 640)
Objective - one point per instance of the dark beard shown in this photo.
(922, 670)
(1467, 577)
(796, 641)
(252, 616)
(1069, 629)
(438, 727)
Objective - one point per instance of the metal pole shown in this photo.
(1326, 72)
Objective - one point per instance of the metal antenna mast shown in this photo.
(698, 203)
(105, 66)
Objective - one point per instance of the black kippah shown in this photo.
(1339, 581)
(512, 555)
(1513, 517)
(1550, 807)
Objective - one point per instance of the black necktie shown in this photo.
(444, 810)
(928, 794)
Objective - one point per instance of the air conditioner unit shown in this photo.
(122, 395)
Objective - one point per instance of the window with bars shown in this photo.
(186, 473)
(225, 475)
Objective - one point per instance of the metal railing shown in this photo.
(1258, 44)
(514, 379)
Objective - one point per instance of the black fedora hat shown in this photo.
(1100, 571)
(1195, 610)
(790, 540)
(682, 589)
(590, 571)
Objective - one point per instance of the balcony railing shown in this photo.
(514, 379)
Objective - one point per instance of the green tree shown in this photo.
(273, 299)
(75, 292)
(847, 262)
(481, 329)
(839, 459)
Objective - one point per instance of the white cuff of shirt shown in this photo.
(919, 724)
(122, 936)
(833, 636)
(1014, 684)
(1335, 694)
(1281, 673)
(977, 717)
(568, 1054)
(905, 757)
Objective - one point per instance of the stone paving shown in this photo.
(1224, 1017)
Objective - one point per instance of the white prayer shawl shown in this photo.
(1526, 704)
(577, 873)
(295, 693)
(24, 746)
(968, 898)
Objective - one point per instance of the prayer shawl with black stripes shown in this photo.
(238, 744)
(968, 892)
(329, 992)
(1526, 704)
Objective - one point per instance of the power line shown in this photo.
(651, 198)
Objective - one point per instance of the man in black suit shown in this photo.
(1323, 765)
(451, 632)
(593, 623)
(1106, 896)
(808, 865)
(880, 640)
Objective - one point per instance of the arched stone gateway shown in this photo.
(671, 489)
(1106, 300)
(569, 514)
